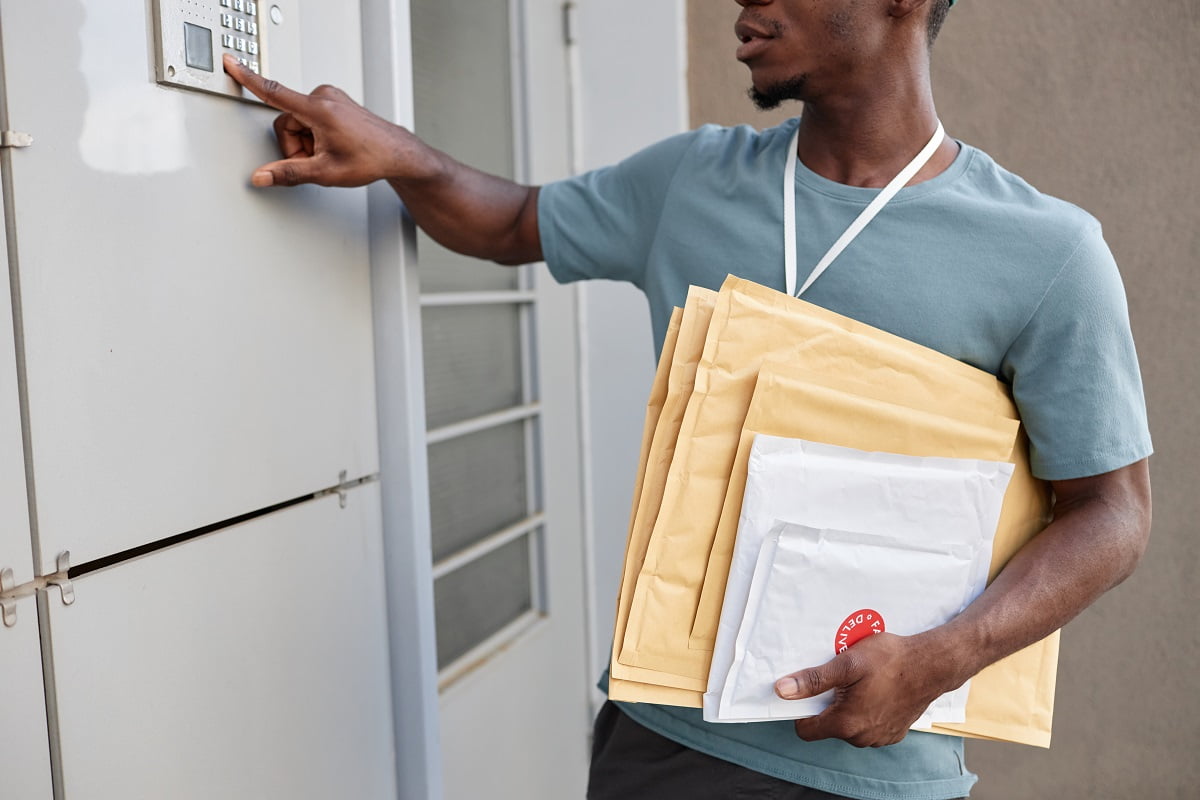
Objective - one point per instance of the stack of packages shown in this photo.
(807, 480)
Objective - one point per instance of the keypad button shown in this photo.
(252, 28)
(243, 62)
(224, 3)
(241, 45)
(239, 24)
(251, 7)
(227, 39)
(227, 20)
(239, 5)
(254, 66)
(252, 48)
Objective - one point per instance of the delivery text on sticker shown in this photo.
(857, 626)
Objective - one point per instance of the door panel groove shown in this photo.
(179, 538)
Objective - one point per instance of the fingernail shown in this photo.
(262, 178)
(787, 687)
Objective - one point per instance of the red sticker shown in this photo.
(857, 627)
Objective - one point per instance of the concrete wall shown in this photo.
(1093, 101)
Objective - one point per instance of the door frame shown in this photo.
(542, 120)
(400, 403)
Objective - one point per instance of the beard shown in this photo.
(774, 95)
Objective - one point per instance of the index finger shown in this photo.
(273, 93)
(826, 725)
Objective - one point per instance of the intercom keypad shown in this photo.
(239, 18)
(192, 36)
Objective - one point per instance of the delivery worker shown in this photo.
(967, 259)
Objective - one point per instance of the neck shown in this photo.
(864, 138)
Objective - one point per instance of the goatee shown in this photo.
(776, 94)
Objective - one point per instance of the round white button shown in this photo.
(277, 15)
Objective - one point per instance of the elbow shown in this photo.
(518, 252)
(1137, 518)
(1137, 538)
(522, 243)
(1114, 509)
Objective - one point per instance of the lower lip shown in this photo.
(752, 48)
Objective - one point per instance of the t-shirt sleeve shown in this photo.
(1074, 371)
(602, 224)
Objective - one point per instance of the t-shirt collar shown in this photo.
(860, 194)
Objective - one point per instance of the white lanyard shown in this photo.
(856, 227)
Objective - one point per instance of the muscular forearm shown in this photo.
(469, 211)
(1099, 532)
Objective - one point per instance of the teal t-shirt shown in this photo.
(974, 263)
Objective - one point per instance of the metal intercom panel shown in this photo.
(191, 36)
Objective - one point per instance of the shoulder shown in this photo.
(707, 161)
(715, 163)
(711, 150)
(1072, 363)
(717, 144)
(1014, 208)
(1007, 230)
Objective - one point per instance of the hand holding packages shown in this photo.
(802, 611)
(819, 376)
(908, 536)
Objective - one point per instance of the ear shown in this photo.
(899, 9)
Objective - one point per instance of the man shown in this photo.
(967, 259)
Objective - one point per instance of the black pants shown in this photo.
(630, 762)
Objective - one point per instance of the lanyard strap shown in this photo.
(856, 227)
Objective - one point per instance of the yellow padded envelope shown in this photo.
(750, 323)
(668, 399)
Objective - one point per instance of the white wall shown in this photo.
(631, 91)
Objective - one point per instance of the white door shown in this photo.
(247, 663)
(197, 380)
(501, 414)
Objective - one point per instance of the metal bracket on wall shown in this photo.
(62, 578)
(570, 23)
(10, 592)
(15, 139)
(341, 489)
(8, 605)
(344, 486)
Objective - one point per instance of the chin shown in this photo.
(771, 95)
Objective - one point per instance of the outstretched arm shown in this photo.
(883, 683)
(328, 139)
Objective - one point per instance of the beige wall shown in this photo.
(1094, 101)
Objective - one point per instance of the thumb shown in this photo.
(288, 172)
(815, 680)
